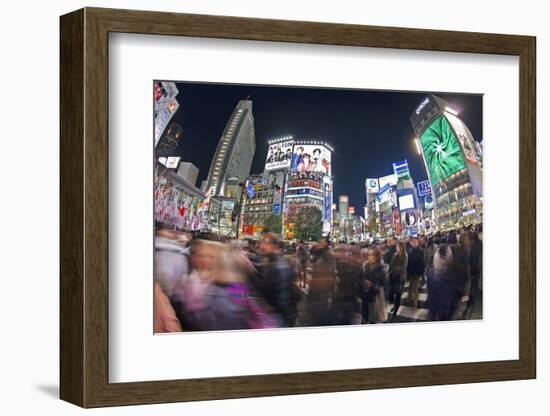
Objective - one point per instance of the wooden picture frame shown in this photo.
(84, 207)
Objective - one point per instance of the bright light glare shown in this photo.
(418, 146)
(450, 110)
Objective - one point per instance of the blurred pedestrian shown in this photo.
(415, 270)
(373, 287)
(441, 289)
(322, 285)
(275, 280)
(398, 276)
(302, 256)
(165, 319)
(170, 259)
(345, 305)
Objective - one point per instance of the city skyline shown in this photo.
(370, 123)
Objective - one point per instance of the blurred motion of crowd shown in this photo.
(203, 283)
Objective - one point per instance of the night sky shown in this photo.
(368, 129)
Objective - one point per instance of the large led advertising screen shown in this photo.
(441, 150)
(311, 158)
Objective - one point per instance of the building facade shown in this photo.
(309, 184)
(453, 162)
(177, 203)
(234, 153)
(165, 106)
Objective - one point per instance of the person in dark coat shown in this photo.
(476, 256)
(429, 252)
(461, 272)
(398, 276)
(275, 279)
(441, 285)
(415, 270)
(302, 255)
(390, 250)
(322, 285)
(346, 306)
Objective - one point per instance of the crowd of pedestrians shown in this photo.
(203, 283)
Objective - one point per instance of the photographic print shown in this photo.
(282, 206)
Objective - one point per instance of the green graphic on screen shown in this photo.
(441, 150)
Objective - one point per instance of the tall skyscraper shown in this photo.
(343, 206)
(235, 151)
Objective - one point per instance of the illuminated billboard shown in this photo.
(397, 220)
(465, 138)
(441, 150)
(401, 169)
(424, 188)
(406, 202)
(428, 202)
(388, 179)
(386, 195)
(311, 158)
(171, 162)
(409, 219)
(327, 208)
(372, 185)
(279, 156)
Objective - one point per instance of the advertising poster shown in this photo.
(311, 158)
(409, 219)
(397, 221)
(279, 156)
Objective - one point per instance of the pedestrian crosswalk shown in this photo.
(408, 312)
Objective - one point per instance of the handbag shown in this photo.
(377, 309)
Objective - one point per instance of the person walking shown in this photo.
(322, 285)
(441, 284)
(398, 276)
(390, 250)
(415, 270)
(374, 285)
(302, 255)
(462, 275)
(276, 279)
